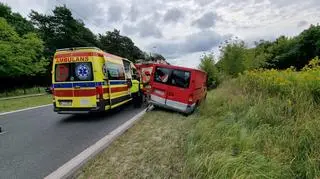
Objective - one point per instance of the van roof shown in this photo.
(179, 67)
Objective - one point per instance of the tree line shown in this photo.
(27, 46)
(284, 52)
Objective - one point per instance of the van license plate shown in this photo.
(159, 92)
(65, 103)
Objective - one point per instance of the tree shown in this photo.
(21, 25)
(308, 46)
(233, 57)
(61, 30)
(20, 55)
(207, 64)
(117, 44)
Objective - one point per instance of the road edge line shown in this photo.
(69, 168)
(25, 109)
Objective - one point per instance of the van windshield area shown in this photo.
(173, 77)
(73, 72)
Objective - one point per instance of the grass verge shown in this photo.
(256, 133)
(21, 103)
(152, 148)
(264, 124)
(21, 92)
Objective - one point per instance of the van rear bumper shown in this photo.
(188, 109)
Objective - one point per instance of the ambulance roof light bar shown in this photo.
(77, 48)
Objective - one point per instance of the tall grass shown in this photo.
(264, 124)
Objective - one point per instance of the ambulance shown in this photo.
(177, 88)
(87, 79)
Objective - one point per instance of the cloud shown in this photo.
(148, 29)
(173, 15)
(207, 20)
(134, 13)
(114, 13)
(145, 28)
(197, 42)
(302, 23)
(203, 2)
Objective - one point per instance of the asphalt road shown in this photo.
(39, 141)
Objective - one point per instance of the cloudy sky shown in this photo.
(182, 30)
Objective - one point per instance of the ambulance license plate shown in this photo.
(84, 102)
(65, 103)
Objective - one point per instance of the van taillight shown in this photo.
(190, 99)
(99, 92)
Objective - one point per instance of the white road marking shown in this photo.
(26, 109)
(1, 133)
(78, 161)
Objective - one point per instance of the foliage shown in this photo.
(21, 25)
(237, 57)
(232, 58)
(207, 64)
(114, 43)
(20, 55)
(287, 83)
(61, 30)
(263, 124)
(281, 54)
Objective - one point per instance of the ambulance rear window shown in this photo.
(73, 72)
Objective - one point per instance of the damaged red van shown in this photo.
(177, 88)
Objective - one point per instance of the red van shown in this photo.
(177, 88)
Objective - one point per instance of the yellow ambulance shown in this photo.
(87, 79)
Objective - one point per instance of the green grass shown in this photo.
(250, 127)
(152, 148)
(243, 134)
(15, 104)
(20, 92)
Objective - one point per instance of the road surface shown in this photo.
(39, 141)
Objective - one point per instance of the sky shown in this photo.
(183, 30)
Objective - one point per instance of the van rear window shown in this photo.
(73, 72)
(179, 78)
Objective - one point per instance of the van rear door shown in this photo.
(160, 85)
(179, 93)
